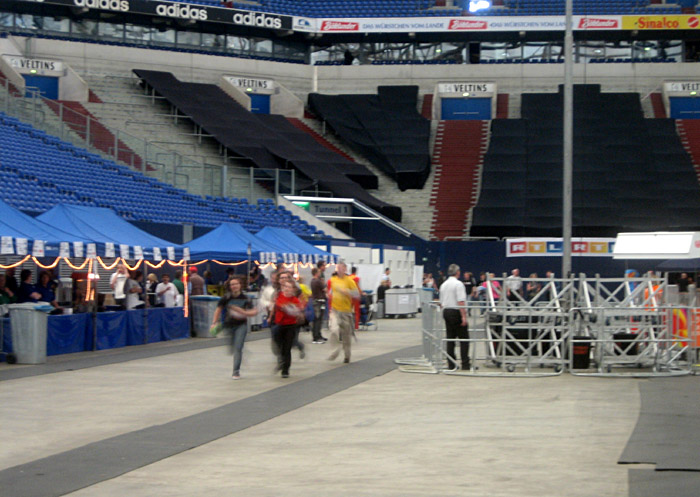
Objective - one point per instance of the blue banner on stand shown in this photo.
(175, 324)
(69, 334)
(111, 330)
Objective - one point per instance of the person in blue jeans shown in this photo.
(233, 310)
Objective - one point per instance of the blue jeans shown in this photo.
(238, 335)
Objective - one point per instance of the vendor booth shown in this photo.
(77, 239)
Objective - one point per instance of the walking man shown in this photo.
(453, 299)
(342, 290)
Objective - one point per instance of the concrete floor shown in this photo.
(385, 433)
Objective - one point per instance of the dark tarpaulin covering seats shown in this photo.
(386, 128)
(268, 141)
(630, 173)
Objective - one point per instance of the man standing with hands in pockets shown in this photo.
(341, 321)
(453, 299)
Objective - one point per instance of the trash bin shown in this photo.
(581, 353)
(380, 309)
(28, 322)
(203, 308)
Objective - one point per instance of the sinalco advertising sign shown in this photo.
(671, 22)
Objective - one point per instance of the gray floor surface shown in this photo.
(168, 420)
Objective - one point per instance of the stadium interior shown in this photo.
(442, 120)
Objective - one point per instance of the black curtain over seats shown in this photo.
(386, 128)
(630, 173)
(268, 141)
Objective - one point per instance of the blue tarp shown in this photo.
(102, 225)
(230, 242)
(292, 244)
(16, 224)
(72, 333)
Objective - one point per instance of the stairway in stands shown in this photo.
(457, 157)
(87, 126)
(689, 132)
(299, 124)
(414, 203)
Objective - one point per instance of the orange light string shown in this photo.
(155, 266)
(49, 266)
(73, 266)
(105, 266)
(15, 264)
(136, 266)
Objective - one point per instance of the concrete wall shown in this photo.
(286, 103)
(301, 79)
(72, 87)
(235, 93)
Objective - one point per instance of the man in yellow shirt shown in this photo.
(341, 321)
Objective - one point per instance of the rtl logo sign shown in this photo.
(518, 248)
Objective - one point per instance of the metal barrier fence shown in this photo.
(638, 342)
(616, 327)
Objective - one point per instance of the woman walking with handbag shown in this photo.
(234, 309)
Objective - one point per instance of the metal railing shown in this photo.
(634, 332)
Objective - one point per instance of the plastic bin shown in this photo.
(203, 308)
(380, 309)
(581, 353)
(28, 322)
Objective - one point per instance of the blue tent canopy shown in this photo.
(15, 226)
(104, 226)
(300, 249)
(230, 242)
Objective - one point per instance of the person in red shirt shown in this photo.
(288, 312)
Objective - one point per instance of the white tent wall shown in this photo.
(417, 276)
(370, 276)
(402, 263)
(353, 254)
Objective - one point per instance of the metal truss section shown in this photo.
(636, 342)
(529, 327)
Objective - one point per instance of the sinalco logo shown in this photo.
(182, 11)
(259, 20)
(116, 5)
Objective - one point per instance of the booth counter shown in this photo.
(70, 333)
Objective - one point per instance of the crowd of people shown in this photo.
(289, 304)
(477, 290)
(131, 292)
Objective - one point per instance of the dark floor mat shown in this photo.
(650, 483)
(666, 433)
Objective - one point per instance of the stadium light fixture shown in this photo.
(477, 5)
(465, 94)
(33, 71)
(693, 93)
